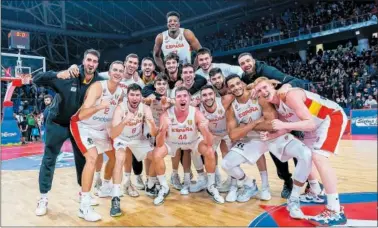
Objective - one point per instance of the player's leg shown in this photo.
(175, 177)
(129, 188)
(209, 156)
(97, 175)
(107, 187)
(265, 190)
(86, 211)
(225, 146)
(186, 163)
(120, 157)
(138, 169)
(152, 181)
(158, 157)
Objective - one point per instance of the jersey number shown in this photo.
(182, 137)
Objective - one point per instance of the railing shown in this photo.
(236, 44)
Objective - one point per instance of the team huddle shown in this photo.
(196, 116)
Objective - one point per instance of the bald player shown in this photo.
(175, 39)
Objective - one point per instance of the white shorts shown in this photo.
(326, 138)
(172, 148)
(218, 139)
(87, 138)
(140, 148)
(277, 146)
(251, 150)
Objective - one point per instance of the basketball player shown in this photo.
(147, 73)
(253, 69)
(213, 109)
(175, 39)
(244, 117)
(127, 132)
(217, 80)
(89, 127)
(180, 128)
(323, 122)
(205, 62)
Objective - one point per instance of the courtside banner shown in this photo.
(364, 122)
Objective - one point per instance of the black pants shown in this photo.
(137, 166)
(56, 135)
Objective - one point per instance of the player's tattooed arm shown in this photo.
(236, 131)
(161, 136)
(150, 121)
(157, 52)
(117, 122)
(203, 125)
(89, 106)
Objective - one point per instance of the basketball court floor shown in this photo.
(356, 168)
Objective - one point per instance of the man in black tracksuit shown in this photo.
(70, 88)
(254, 69)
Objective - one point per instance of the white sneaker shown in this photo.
(175, 181)
(139, 182)
(105, 191)
(247, 193)
(185, 189)
(200, 185)
(232, 194)
(213, 191)
(265, 194)
(163, 193)
(93, 200)
(225, 186)
(129, 189)
(293, 206)
(89, 214)
(41, 207)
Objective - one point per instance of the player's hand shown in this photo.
(129, 121)
(136, 76)
(278, 125)
(260, 120)
(178, 83)
(74, 70)
(104, 104)
(64, 74)
(283, 90)
(264, 135)
(195, 102)
(253, 94)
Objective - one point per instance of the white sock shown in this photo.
(234, 182)
(217, 172)
(264, 178)
(150, 183)
(333, 202)
(116, 190)
(163, 181)
(201, 176)
(155, 180)
(127, 177)
(97, 175)
(44, 195)
(187, 178)
(210, 179)
(315, 186)
(295, 192)
(175, 172)
(106, 183)
(85, 199)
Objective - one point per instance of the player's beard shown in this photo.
(134, 106)
(207, 102)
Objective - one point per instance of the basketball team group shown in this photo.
(195, 113)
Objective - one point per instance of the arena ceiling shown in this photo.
(63, 28)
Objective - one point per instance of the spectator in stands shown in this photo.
(370, 101)
(24, 129)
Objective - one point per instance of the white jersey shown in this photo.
(182, 134)
(246, 113)
(126, 82)
(133, 132)
(179, 45)
(101, 119)
(217, 119)
(319, 107)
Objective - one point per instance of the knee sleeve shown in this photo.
(197, 161)
(302, 153)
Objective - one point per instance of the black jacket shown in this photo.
(199, 82)
(262, 69)
(69, 94)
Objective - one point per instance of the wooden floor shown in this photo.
(356, 167)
